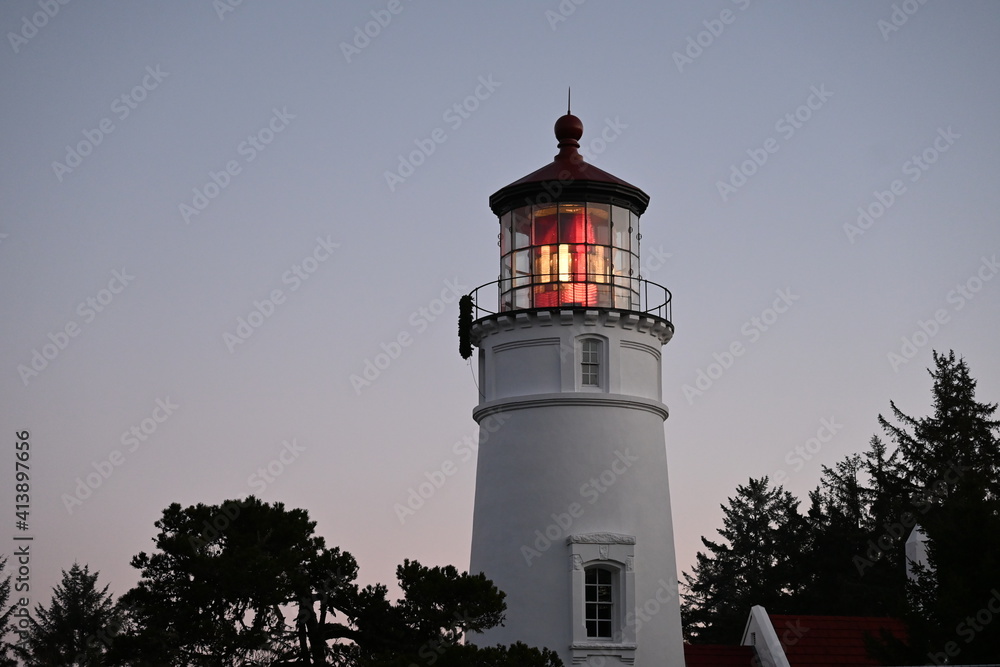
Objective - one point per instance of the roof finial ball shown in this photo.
(568, 130)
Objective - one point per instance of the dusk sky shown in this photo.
(233, 236)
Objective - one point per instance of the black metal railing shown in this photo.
(644, 296)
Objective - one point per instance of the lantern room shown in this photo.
(576, 253)
(569, 234)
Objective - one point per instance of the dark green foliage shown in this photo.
(758, 564)
(78, 626)
(465, 326)
(7, 638)
(847, 572)
(223, 581)
(941, 473)
(949, 471)
(247, 583)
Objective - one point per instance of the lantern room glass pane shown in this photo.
(634, 243)
(546, 263)
(624, 299)
(505, 283)
(546, 229)
(522, 227)
(621, 220)
(573, 262)
(572, 223)
(598, 264)
(547, 296)
(521, 267)
(599, 227)
(622, 262)
(604, 297)
(505, 231)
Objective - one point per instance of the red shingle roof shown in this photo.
(707, 655)
(831, 641)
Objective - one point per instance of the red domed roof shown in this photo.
(570, 175)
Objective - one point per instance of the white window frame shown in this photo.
(616, 553)
(601, 363)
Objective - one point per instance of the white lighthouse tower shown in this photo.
(572, 517)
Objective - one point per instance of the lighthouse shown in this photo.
(572, 509)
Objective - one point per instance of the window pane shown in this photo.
(634, 243)
(522, 227)
(577, 294)
(621, 220)
(590, 364)
(599, 610)
(604, 296)
(522, 298)
(623, 299)
(505, 233)
(577, 262)
(546, 263)
(522, 268)
(547, 296)
(622, 262)
(505, 273)
(572, 223)
(545, 225)
(598, 264)
(599, 229)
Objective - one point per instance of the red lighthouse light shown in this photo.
(568, 254)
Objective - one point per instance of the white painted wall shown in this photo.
(562, 460)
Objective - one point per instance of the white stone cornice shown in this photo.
(582, 399)
(600, 538)
(647, 323)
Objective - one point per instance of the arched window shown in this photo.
(599, 603)
(603, 584)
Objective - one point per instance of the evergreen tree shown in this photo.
(77, 627)
(758, 564)
(846, 571)
(6, 626)
(949, 471)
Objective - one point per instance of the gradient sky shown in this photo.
(887, 82)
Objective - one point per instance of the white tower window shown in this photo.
(603, 585)
(590, 362)
(599, 595)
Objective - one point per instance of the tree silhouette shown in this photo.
(758, 564)
(846, 570)
(77, 627)
(941, 472)
(248, 583)
(948, 469)
(6, 626)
